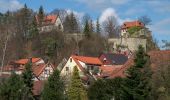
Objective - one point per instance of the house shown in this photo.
(49, 23)
(40, 70)
(127, 25)
(87, 66)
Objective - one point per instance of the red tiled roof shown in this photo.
(37, 87)
(159, 58)
(25, 61)
(131, 24)
(107, 70)
(37, 70)
(49, 19)
(88, 60)
(120, 72)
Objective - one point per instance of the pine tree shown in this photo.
(76, 89)
(27, 77)
(33, 31)
(41, 15)
(105, 89)
(25, 19)
(136, 86)
(11, 89)
(54, 89)
(87, 29)
(91, 27)
(73, 23)
(98, 29)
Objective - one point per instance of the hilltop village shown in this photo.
(38, 44)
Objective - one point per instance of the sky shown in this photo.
(124, 10)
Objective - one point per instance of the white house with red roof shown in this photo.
(126, 25)
(49, 23)
(85, 65)
(41, 70)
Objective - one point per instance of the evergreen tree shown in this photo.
(105, 89)
(41, 15)
(87, 29)
(98, 29)
(136, 86)
(91, 27)
(76, 90)
(11, 89)
(73, 23)
(25, 19)
(54, 89)
(27, 77)
(33, 31)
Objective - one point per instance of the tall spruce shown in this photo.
(74, 23)
(91, 27)
(11, 89)
(71, 23)
(41, 15)
(33, 31)
(136, 85)
(25, 16)
(87, 29)
(76, 89)
(54, 88)
(98, 29)
(27, 77)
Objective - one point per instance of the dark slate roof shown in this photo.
(118, 59)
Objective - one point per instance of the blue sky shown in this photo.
(123, 10)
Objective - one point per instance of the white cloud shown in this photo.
(161, 27)
(11, 5)
(110, 12)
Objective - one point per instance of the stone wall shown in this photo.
(131, 43)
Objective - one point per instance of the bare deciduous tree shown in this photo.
(111, 27)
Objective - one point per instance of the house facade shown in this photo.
(49, 23)
(87, 66)
(41, 71)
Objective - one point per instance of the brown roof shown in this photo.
(37, 69)
(121, 72)
(49, 19)
(25, 61)
(37, 87)
(159, 58)
(107, 70)
(132, 24)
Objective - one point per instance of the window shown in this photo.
(45, 71)
(70, 59)
(67, 68)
